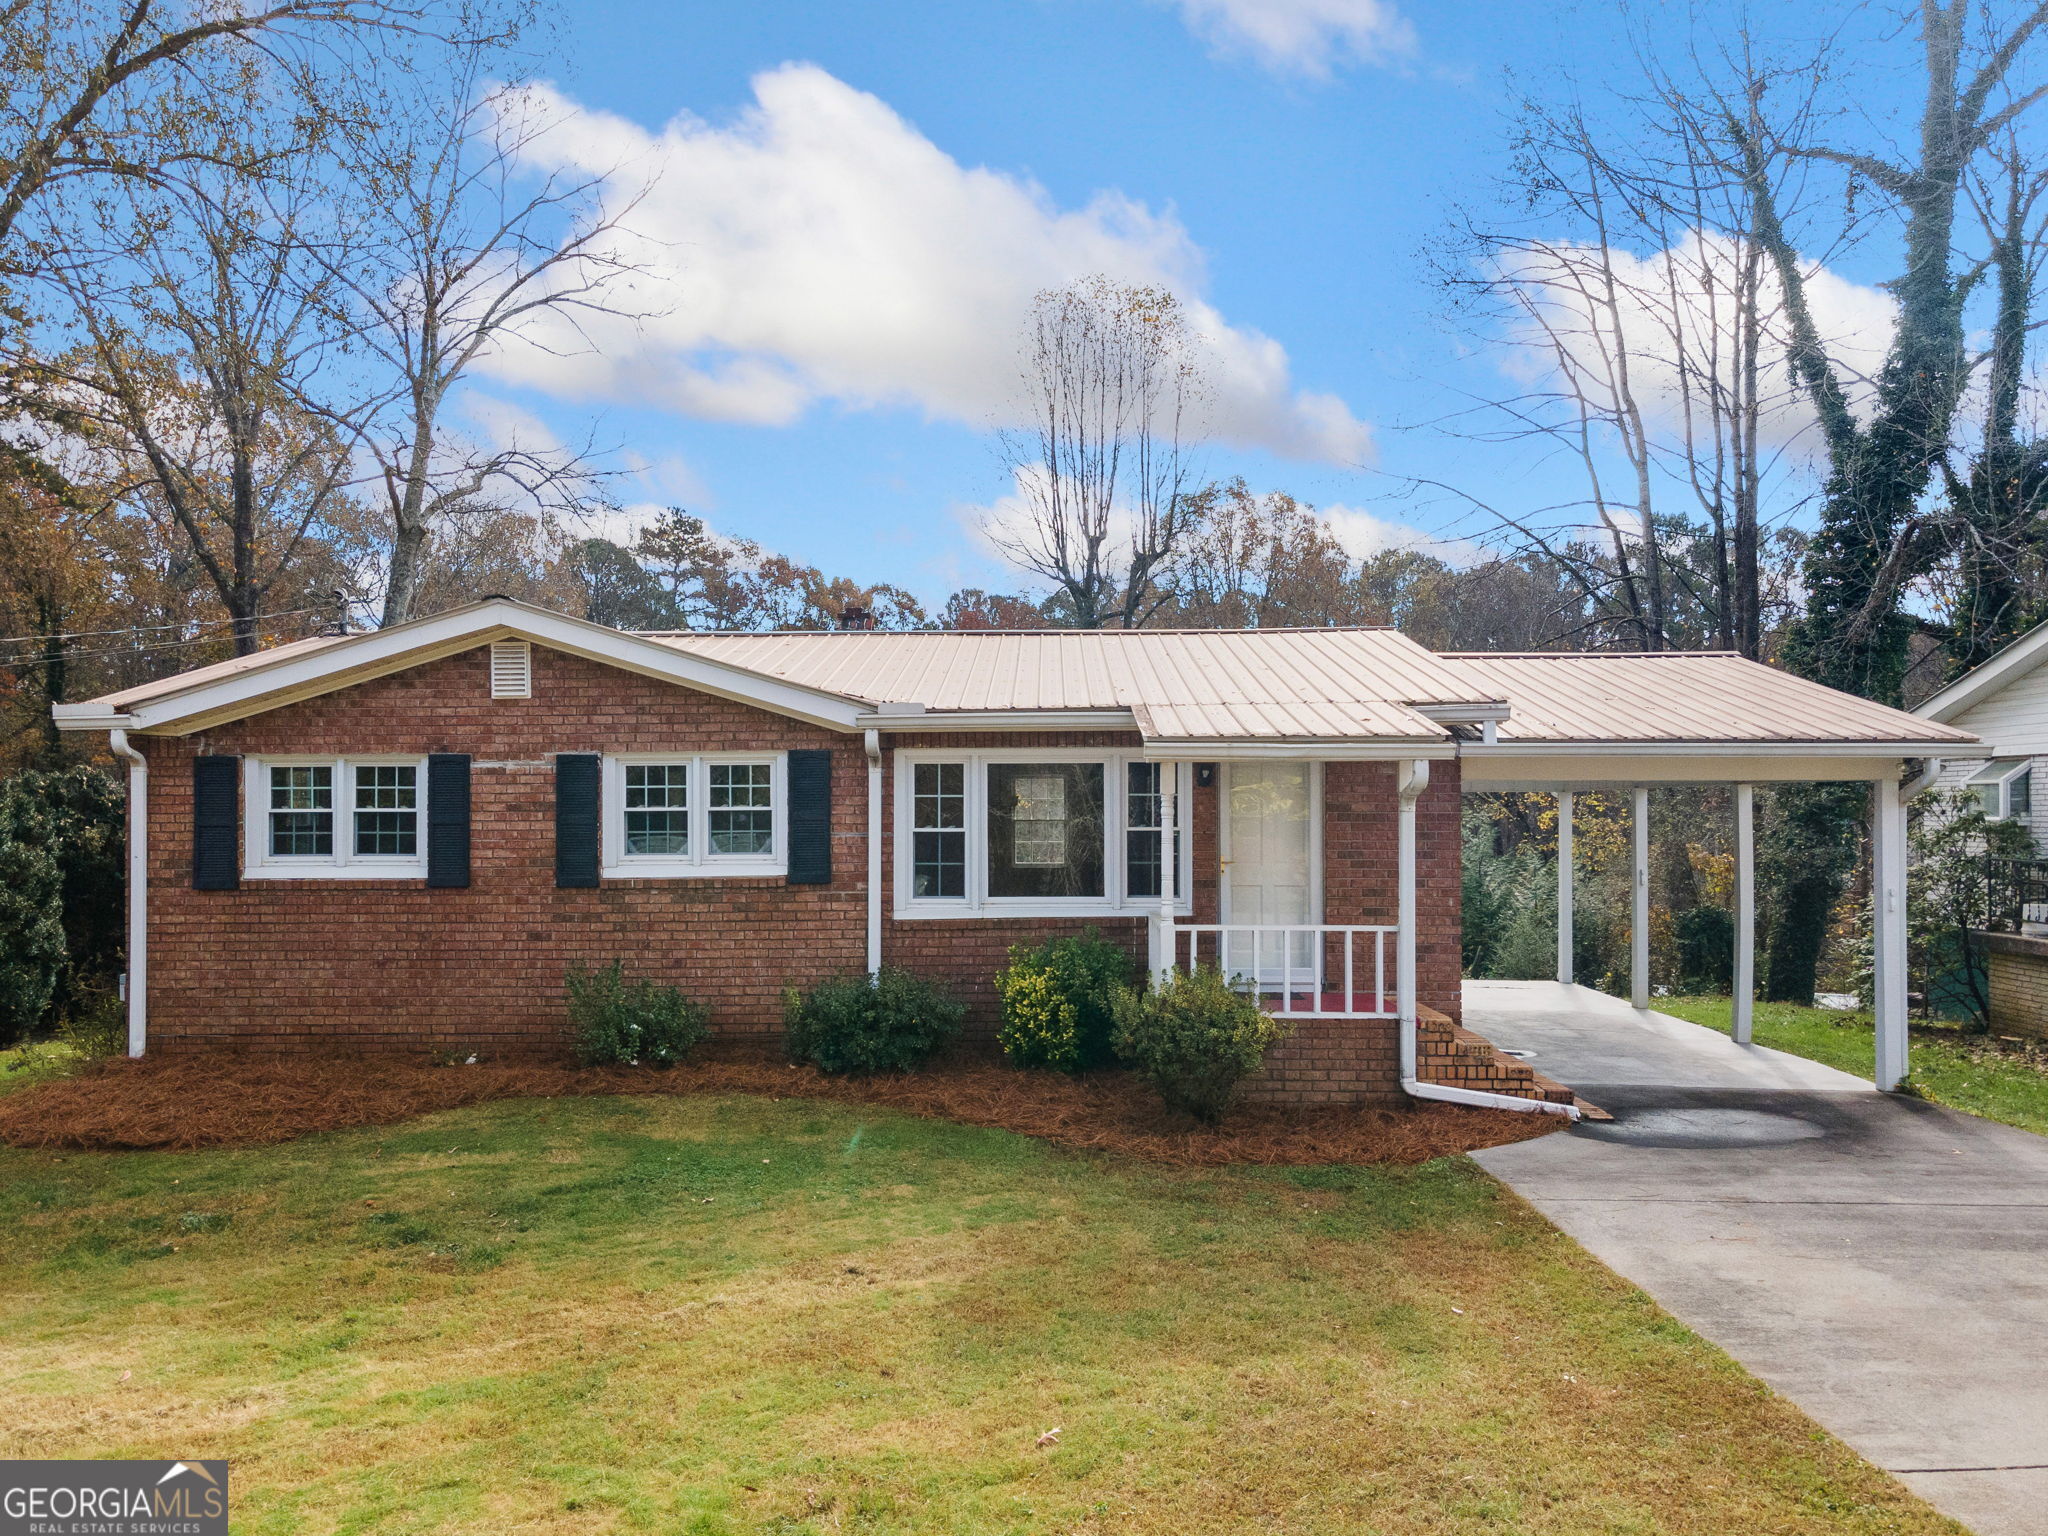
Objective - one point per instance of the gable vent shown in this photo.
(511, 669)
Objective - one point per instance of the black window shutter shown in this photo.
(810, 817)
(216, 830)
(448, 820)
(576, 775)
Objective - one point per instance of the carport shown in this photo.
(1578, 722)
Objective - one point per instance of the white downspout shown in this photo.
(1412, 779)
(138, 890)
(873, 742)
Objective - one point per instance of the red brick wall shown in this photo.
(309, 964)
(296, 964)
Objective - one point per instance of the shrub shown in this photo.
(1706, 949)
(61, 881)
(96, 1027)
(860, 1025)
(638, 1023)
(1195, 1040)
(1057, 1002)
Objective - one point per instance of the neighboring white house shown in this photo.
(2005, 701)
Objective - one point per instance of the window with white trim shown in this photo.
(682, 815)
(2004, 788)
(1032, 833)
(335, 817)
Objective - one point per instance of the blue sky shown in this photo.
(1292, 189)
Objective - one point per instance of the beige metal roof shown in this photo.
(1598, 696)
(1195, 684)
(1361, 686)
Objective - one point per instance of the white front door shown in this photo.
(1268, 870)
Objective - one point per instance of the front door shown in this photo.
(1268, 870)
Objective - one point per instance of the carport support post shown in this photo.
(1564, 886)
(1639, 916)
(1742, 1026)
(1888, 927)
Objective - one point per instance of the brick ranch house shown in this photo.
(402, 839)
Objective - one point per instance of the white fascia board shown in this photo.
(1492, 769)
(1326, 749)
(1510, 750)
(1001, 720)
(382, 652)
(1980, 682)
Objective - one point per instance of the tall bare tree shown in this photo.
(1638, 312)
(458, 253)
(203, 340)
(1105, 469)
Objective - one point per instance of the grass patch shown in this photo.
(1969, 1072)
(45, 1061)
(742, 1315)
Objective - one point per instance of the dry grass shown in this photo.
(185, 1103)
(737, 1316)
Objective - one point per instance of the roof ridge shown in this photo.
(956, 634)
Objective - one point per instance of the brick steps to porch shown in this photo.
(1455, 1057)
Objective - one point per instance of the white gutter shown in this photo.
(138, 890)
(1412, 779)
(1922, 781)
(872, 740)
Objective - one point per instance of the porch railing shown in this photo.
(1301, 970)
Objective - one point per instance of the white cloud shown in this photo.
(1673, 318)
(1301, 37)
(1365, 534)
(819, 248)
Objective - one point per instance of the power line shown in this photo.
(150, 629)
(36, 658)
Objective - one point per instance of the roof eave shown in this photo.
(1985, 679)
(379, 653)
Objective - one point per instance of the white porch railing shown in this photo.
(1301, 970)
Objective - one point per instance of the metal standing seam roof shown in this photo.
(1248, 685)
(1189, 684)
(1602, 696)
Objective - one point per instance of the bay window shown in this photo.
(329, 818)
(1023, 833)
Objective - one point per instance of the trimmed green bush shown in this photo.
(631, 1024)
(860, 1025)
(1057, 1002)
(1195, 1040)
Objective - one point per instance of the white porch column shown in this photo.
(1412, 778)
(1164, 956)
(1742, 1018)
(1564, 886)
(1888, 927)
(1639, 919)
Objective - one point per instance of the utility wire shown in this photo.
(148, 629)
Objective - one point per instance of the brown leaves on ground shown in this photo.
(187, 1102)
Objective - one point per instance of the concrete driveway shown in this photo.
(1880, 1261)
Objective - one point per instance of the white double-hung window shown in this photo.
(331, 818)
(1034, 833)
(677, 815)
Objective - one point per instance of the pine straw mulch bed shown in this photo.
(185, 1103)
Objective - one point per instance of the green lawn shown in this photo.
(779, 1316)
(1967, 1072)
